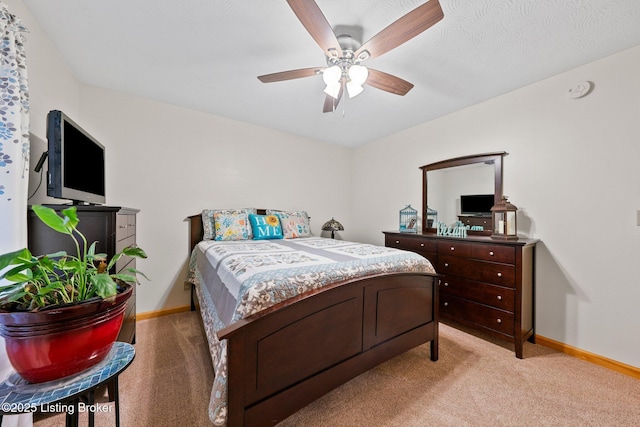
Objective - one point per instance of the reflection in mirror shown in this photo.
(444, 182)
(445, 186)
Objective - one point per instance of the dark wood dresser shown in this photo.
(113, 227)
(485, 283)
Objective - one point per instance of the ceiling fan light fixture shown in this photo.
(358, 74)
(344, 53)
(332, 90)
(332, 75)
(354, 89)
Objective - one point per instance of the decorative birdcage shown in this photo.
(408, 220)
(432, 217)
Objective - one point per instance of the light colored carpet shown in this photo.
(167, 384)
(476, 382)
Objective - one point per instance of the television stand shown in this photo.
(484, 221)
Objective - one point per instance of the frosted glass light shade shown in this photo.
(357, 77)
(358, 74)
(332, 75)
(332, 90)
(354, 89)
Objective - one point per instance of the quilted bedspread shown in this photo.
(235, 279)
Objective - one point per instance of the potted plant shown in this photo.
(61, 313)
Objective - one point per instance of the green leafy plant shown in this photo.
(37, 282)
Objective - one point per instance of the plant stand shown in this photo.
(64, 395)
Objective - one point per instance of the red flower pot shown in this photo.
(54, 343)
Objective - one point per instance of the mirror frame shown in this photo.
(495, 158)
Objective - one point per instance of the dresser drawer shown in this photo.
(494, 253)
(490, 272)
(455, 248)
(409, 243)
(484, 293)
(125, 226)
(473, 313)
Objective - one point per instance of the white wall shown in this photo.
(172, 162)
(51, 86)
(572, 169)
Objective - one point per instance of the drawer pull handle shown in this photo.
(499, 320)
(446, 283)
(499, 274)
(446, 264)
(122, 226)
(453, 248)
(499, 298)
(422, 244)
(491, 253)
(446, 304)
(397, 242)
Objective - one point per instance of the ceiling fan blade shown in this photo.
(331, 103)
(404, 29)
(388, 83)
(317, 25)
(291, 74)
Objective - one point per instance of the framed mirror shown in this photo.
(460, 189)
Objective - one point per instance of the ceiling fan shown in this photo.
(345, 55)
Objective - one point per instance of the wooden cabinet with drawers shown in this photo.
(113, 227)
(486, 284)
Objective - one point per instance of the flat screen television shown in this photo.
(76, 162)
(476, 204)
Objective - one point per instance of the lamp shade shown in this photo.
(333, 226)
(357, 77)
(332, 90)
(332, 75)
(358, 74)
(354, 89)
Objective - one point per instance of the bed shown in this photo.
(325, 312)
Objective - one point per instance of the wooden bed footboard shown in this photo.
(288, 358)
(285, 357)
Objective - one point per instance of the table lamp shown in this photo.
(333, 226)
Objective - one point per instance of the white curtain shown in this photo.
(14, 155)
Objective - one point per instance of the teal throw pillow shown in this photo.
(265, 227)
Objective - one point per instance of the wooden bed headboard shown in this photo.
(196, 229)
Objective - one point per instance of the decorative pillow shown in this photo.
(294, 223)
(208, 222)
(231, 225)
(265, 227)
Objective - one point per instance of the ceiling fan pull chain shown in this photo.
(344, 103)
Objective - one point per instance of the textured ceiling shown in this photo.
(206, 55)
